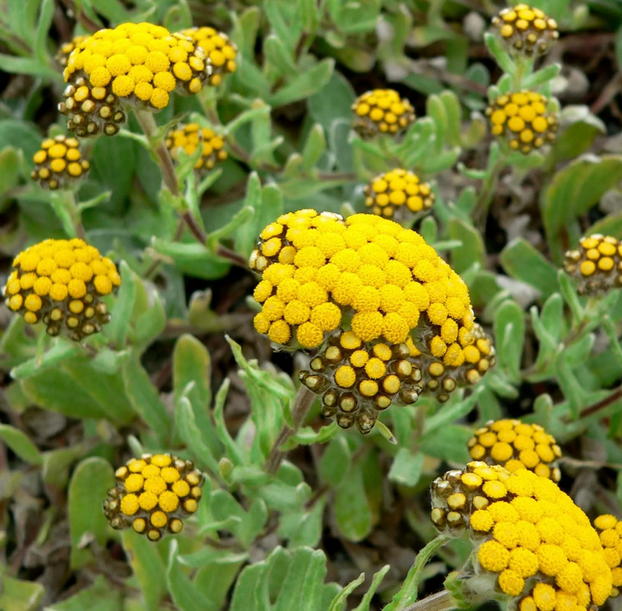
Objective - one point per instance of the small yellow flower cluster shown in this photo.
(523, 121)
(476, 360)
(381, 111)
(596, 264)
(61, 282)
(58, 163)
(395, 191)
(153, 495)
(357, 379)
(220, 51)
(188, 137)
(66, 49)
(315, 268)
(137, 63)
(609, 529)
(515, 445)
(525, 30)
(531, 542)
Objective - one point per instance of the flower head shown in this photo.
(381, 111)
(596, 264)
(463, 366)
(220, 51)
(609, 529)
(357, 380)
(515, 445)
(61, 282)
(397, 191)
(523, 121)
(136, 64)
(66, 49)
(190, 136)
(525, 30)
(368, 298)
(153, 495)
(531, 544)
(59, 163)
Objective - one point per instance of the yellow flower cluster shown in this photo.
(58, 163)
(381, 111)
(153, 495)
(220, 51)
(66, 49)
(61, 282)
(476, 360)
(138, 63)
(91, 110)
(188, 137)
(523, 121)
(525, 30)
(316, 268)
(357, 379)
(395, 191)
(609, 529)
(596, 264)
(531, 542)
(515, 445)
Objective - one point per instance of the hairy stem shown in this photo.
(302, 403)
(442, 601)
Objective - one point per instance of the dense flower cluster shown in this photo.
(359, 379)
(190, 136)
(475, 361)
(525, 30)
(609, 529)
(220, 51)
(397, 191)
(381, 111)
(317, 267)
(531, 542)
(59, 163)
(65, 50)
(515, 445)
(134, 63)
(61, 282)
(153, 495)
(523, 121)
(596, 264)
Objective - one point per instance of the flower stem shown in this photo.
(150, 128)
(302, 402)
(441, 601)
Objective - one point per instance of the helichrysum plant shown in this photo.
(276, 275)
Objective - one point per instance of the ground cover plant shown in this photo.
(310, 305)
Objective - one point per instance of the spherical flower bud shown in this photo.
(516, 445)
(386, 279)
(532, 546)
(134, 64)
(461, 366)
(66, 49)
(220, 51)
(609, 529)
(190, 136)
(153, 495)
(526, 30)
(395, 193)
(62, 283)
(357, 380)
(59, 163)
(381, 111)
(523, 121)
(596, 264)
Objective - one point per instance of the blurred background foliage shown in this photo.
(180, 367)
